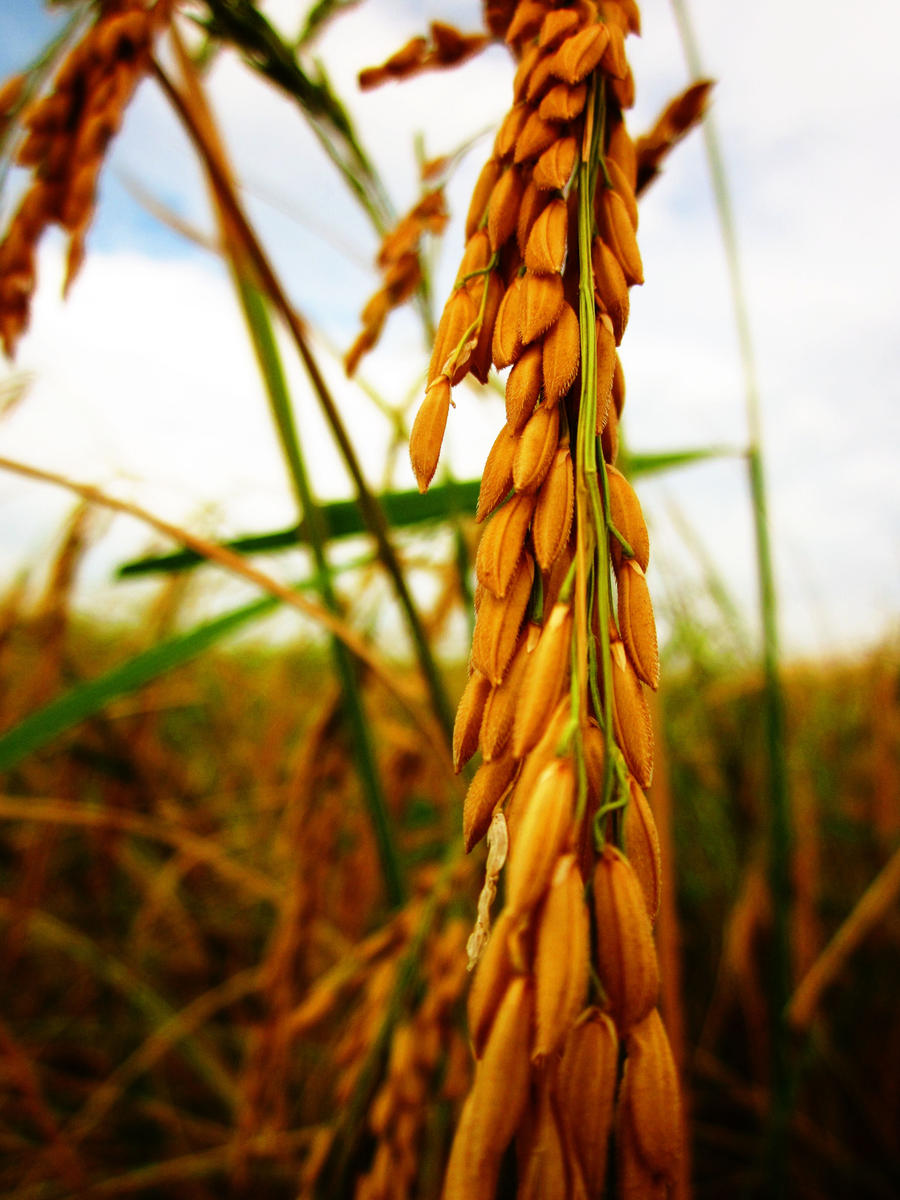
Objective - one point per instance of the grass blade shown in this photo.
(340, 519)
(403, 510)
(87, 699)
(652, 464)
(236, 565)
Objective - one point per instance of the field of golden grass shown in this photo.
(203, 980)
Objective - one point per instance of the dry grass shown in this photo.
(180, 952)
(201, 982)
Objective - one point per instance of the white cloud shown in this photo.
(145, 380)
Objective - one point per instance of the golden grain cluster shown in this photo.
(445, 47)
(398, 262)
(66, 136)
(564, 641)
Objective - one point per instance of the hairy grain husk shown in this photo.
(585, 1089)
(500, 707)
(650, 1099)
(628, 517)
(545, 250)
(642, 846)
(545, 677)
(502, 1077)
(626, 956)
(498, 623)
(523, 387)
(554, 510)
(542, 835)
(497, 477)
(631, 717)
(485, 792)
(468, 719)
(502, 543)
(562, 953)
(536, 448)
(562, 354)
(427, 435)
(636, 622)
(493, 975)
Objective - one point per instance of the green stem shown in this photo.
(362, 748)
(368, 503)
(587, 458)
(241, 23)
(375, 519)
(773, 696)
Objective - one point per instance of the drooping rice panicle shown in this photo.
(67, 133)
(564, 641)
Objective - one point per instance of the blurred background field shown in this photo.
(181, 871)
(205, 967)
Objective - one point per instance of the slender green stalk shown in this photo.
(242, 24)
(368, 503)
(590, 514)
(340, 518)
(773, 697)
(360, 735)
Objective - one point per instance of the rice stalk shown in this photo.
(779, 861)
(234, 563)
(564, 624)
(269, 361)
(269, 283)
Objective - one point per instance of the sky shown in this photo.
(143, 383)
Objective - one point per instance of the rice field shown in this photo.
(562, 911)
